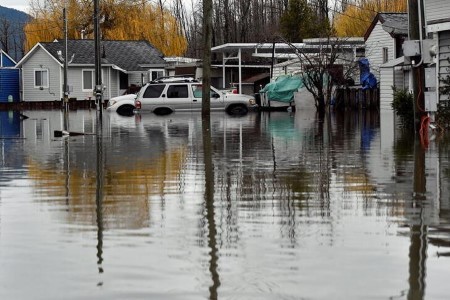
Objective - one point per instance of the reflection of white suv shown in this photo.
(167, 96)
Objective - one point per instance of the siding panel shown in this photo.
(9, 84)
(375, 43)
(386, 82)
(41, 59)
(444, 56)
(436, 10)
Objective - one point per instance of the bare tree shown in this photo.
(323, 68)
(5, 34)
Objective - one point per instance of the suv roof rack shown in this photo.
(176, 78)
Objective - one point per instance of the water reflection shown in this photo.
(99, 191)
(261, 205)
(209, 206)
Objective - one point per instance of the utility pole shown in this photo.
(416, 32)
(418, 248)
(98, 90)
(207, 37)
(65, 88)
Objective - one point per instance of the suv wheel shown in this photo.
(237, 109)
(162, 111)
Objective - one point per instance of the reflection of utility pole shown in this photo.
(99, 195)
(419, 244)
(98, 66)
(209, 205)
(67, 169)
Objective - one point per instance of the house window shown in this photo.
(88, 80)
(156, 73)
(385, 54)
(41, 78)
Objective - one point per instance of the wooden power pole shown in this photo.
(207, 37)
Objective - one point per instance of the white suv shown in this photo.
(164, 96)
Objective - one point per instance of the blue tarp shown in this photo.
(367, 79)
(283, 88)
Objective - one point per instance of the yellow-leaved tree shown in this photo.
(358, 15)
(119, 20)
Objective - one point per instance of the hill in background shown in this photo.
(12, 36)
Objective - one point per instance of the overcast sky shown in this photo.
(16, 4)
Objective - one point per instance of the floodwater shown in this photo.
(265, 206)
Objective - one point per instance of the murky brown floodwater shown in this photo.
(265, 206)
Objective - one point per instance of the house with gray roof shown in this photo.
(384, 39)
(124, 64)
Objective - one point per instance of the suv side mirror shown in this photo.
(215, 95)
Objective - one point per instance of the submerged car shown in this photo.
(166, 96)
(123, 105)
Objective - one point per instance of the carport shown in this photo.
(233, 51)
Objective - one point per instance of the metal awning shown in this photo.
(233, 51)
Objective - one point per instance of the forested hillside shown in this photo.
(12, 22)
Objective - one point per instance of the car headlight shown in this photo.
(252, 101)
(111, 103)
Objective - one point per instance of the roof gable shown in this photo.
(396, 24)
(126, 55)
(32, 51)
(6, 60)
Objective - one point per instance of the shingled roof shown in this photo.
(127, 55)
(396, 24)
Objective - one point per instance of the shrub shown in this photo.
(403, 105)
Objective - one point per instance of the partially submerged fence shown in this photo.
(355, 98)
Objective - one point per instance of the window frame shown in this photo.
(385, 54)
(92, 80)
(46, 77)
(155, 70)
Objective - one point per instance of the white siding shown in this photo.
(386, 83)
(114, 89)
(377, 40)
(444, 56)
(136, 78)
(75, 80)
(41, 60)
(436, 10)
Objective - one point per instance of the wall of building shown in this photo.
(377, 40)
(41, 60)
(9, 84)
(444, 56)
(437, 10)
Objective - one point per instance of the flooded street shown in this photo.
(265, 206)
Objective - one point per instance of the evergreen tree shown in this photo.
(300, 21)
